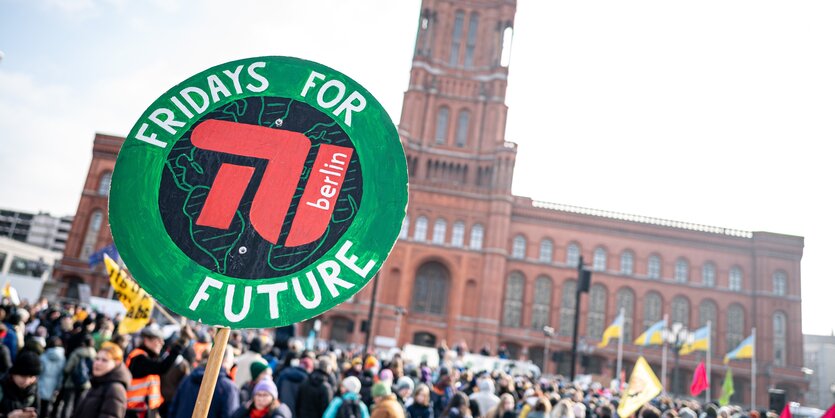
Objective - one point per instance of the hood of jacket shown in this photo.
(119, 374)
(317, 378)
(294, 374)
(54, 354)
(197, 375)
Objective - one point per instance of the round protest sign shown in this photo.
(259, 193)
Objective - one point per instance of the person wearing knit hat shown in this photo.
(259, 370)
(19, 386)
(349, 402)
(265, 403)
(385, 402)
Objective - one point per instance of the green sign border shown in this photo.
(171, 277)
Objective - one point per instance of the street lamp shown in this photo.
(399, 312)
(549, 333)
(677, 337)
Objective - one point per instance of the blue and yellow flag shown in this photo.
(654, 335)
(745, 349)
(700, 342)
(613, 331)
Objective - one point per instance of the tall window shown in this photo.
(652, 308)
(654, 267)
(431, 289)
(404, 227)
(421, 226)
(546, 251)
(736, 326)
(735, 279)
(458, 234)
(780, 339)
(456, 38)
(439, 232)
(680, 311)
(626, 300)
(541, 303)
(476, 237)
(92, 234)
(569, 290)
(572, 255)
(597, 311)
(682, 271)
(709, 274)
(462, 129)
(519, 247)
(627, 262)
(513, 295)
(104, 184)
(441, 125)
(599, 261)
(472, 35)
(707, 312)
(780, 283)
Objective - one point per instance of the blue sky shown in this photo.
(719, 113)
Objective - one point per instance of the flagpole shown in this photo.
(664, 355)
(753, 368)
(620, 348)
(709, 377)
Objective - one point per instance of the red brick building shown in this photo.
(476, 264)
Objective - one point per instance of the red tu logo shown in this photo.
(285, 152)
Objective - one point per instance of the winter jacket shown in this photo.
(288, 383)
(333, 407)
(314, 395)
(5, 359)
(420, 411)
(485, 397)
(10, 340)
(13, 397)
(388, 408)
(225, 400)
(108, 396)
(282, 411)
(53, 362)
(75, 357)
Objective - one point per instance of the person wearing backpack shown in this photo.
(77, 374)
(348, 405)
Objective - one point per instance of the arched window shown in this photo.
(463, 128)
(421, 225)
(707, 312)
(735, 279)
(91, 237)
(736, 326)
(341, 328)
(627, 262)
(519, 247)
(404, 228)
(507, 41)
(569, 290)
(780, 339)
(476, 237)
(513, 295)
(597, 311)
(626, 300)
(654, 267)
(439, 231)
(431, 289)
(424, 339)
(442, 125)
(652, 308)
(780, 283)
(104, 184)
(456, 38)
(472, 36)
(572, 255)
(458, 234)
(541, 303)
(599, 260)
(709, 274)
(546, 251)
(682, 271)
(680, 311)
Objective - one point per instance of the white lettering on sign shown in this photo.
(193, 101)
(333, 92)
(307, 293)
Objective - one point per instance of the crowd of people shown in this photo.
(68, 362)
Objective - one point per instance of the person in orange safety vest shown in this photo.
(146, 365)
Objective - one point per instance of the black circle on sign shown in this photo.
(239, 251)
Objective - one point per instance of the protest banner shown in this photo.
(138, 304)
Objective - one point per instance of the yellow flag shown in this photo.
(643, 387)
(137, 302)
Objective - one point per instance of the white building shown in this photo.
(26, 267)
(819, 357)
(41, 229)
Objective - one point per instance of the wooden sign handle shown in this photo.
(207, 386)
